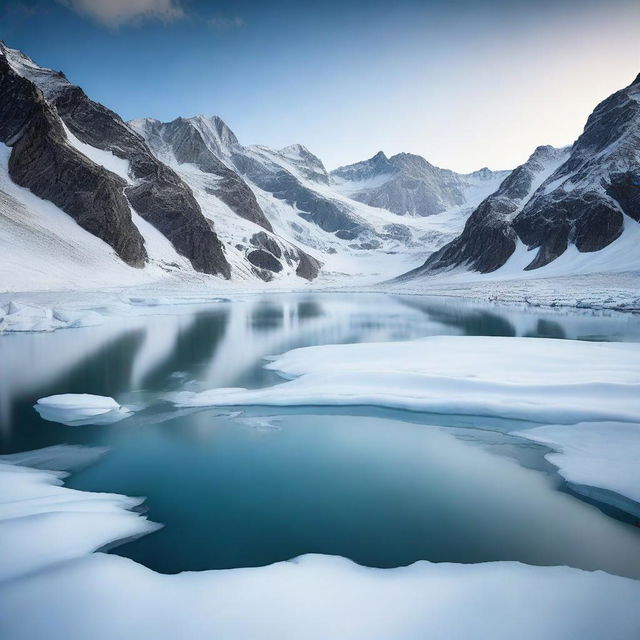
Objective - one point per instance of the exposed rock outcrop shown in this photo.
(187, 139)
(155, 191)
(211, 146)
(583, 202)
(42, 161)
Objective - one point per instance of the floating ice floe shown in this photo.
(76, 409)
(258, 423)
(536, 379)
(158, 301)
(53, 587)
(20, 317)
(604, 455)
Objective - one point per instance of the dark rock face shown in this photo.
(160, 196)
(485, 244)
(208, 143)
(188, 144)
(42, 161)
(286, 174)
(308, 267)
(583, 202)
(625, 189)
(266, 242)
(588, 221)
(264, 260)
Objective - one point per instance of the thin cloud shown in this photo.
(223, 23)
(115, 13)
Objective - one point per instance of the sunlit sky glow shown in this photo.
(465, 84)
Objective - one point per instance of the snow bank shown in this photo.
(43, 523)
(52, 586)
(320, 597)
(537, 379)
(80, 409)
(605, 455)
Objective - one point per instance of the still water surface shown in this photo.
(249, 488)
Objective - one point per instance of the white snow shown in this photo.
(617, 291)
(619, 256)
(85, 404)
(43, 523)
(605, 455)
(105, 159)
(44, 248)
(52, 587)
(47, 80)
(80, 409)
(537, 379)
(17, 316)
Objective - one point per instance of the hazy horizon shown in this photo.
(463, 85)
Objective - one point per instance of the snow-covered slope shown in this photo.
(43, 247)
(82, 158)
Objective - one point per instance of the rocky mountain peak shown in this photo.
(306, 162)
(215, 130)
(375, 166)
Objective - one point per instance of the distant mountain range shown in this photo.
(177, 199)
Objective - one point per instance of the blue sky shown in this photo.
(465, 84)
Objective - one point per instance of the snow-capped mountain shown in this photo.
(296, 203)
(82, 157)
(202, 141)
(488, 238)
(579, 201)
(586, 200)
(83, 192)
(185, 196)
(407, 184)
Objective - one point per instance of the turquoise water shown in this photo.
(250, 488)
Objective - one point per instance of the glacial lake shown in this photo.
(255, 486)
